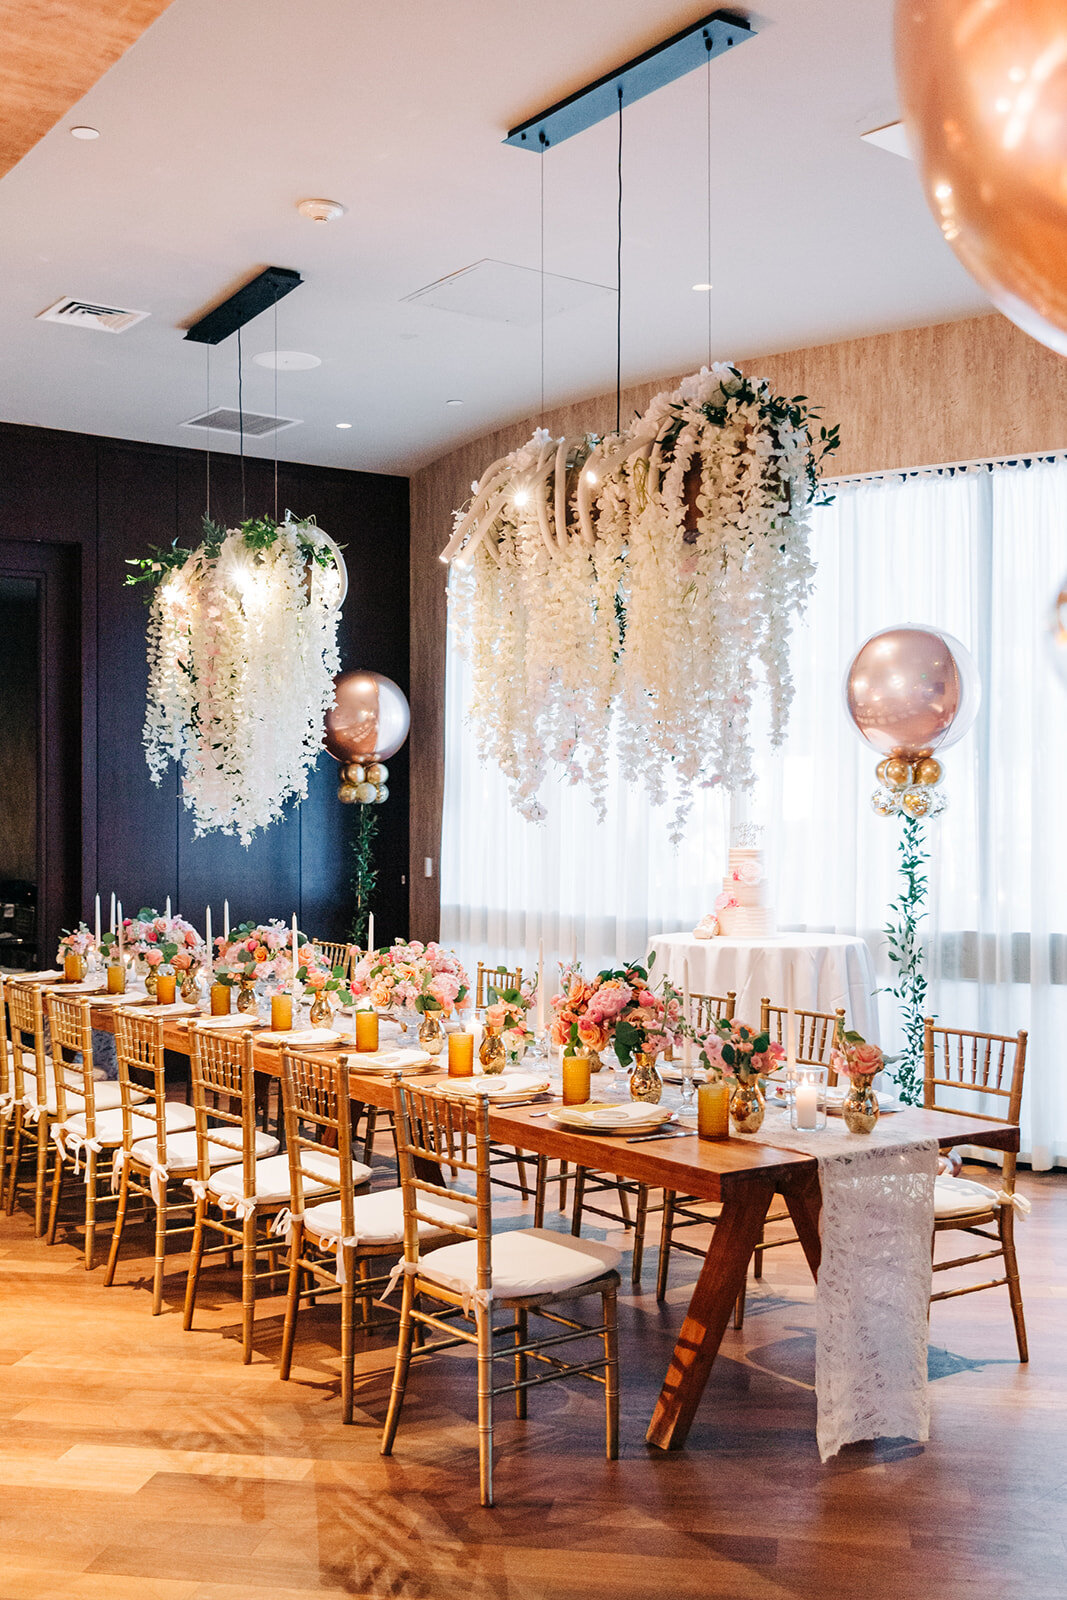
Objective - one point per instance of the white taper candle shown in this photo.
(210, 946)
(791, 1023)
(98, 922)
(226, 920)
(687, 1043)
(370, 934)
(111, 926)
(541, 986)
(296, 958)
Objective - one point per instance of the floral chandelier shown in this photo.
(242, 653)
(633, 590)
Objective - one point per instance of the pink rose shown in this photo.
(154, 957)
(865, 1058)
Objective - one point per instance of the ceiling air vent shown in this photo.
(86, 314)
(256, 425)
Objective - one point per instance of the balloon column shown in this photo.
(367, 723)
(983, 88)
(911, 691)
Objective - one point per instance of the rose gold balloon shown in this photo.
(369, 718)
(910, 690)
(983, 88)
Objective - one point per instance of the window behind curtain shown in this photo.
(978, 553)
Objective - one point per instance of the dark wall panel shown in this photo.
(114, 499)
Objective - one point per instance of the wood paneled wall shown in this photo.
(958, 391)
(114, 499)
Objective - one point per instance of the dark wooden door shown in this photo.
(56, 570)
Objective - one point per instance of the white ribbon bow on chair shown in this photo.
(1018, 1202)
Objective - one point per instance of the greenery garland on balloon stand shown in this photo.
(908, 957)
(364, 872)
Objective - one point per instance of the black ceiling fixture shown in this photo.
(261, 292)
(651, 70)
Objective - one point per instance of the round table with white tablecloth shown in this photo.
(829, 970)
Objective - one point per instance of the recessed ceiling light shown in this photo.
(85, 133)
(703, 288)
(321, 210)
(287, 360)
(453, 402)
(342, 424)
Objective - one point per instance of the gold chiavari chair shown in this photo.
(337, 953)
(7, 1090)
(88, 1122)
(333, 1242)
(689, 1211)
(34, 1092)
(989, 1067)
(158, 1152)
(500, 977)
(254, 1187)
(528, 1272)
(816, 1032)
(703, 1009)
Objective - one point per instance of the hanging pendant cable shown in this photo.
(207, 432)
(241, 424)
(618, 286)
(544, 146)
(709, 202)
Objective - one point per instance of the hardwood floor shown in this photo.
(138, 1462)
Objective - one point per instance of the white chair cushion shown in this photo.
(379, 1218)
(181, 1149)
(958, 1197)
(272, 1179)
(109, 1124)
(107, 1096)
(527, 1261)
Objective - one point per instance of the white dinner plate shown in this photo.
(233, 1019)
(375, 1062)
(120, 1000)
(501, 1087)
(307, 1039)
(886, 1102)
(624, 1117)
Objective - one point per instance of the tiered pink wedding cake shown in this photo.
(742, 910)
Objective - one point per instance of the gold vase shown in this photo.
(246, 995)
(150, 978)
(432, 1033)
(645, 1082)
(321, 1013)
(860, 1106)
(491, 1052)
(592, 1055)
(746, 1106)
(190, 990)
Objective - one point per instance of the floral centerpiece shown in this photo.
(732, 1049)
(77, 941)
(616, 1008)
(413, 976)
(859, 1061)
(261, 953)
(508, 1012)
(159, 942)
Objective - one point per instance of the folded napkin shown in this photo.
(177, 1008)
(386, 1060)
(35, 977)
(611, 1115)
(303, 1036)
(498, 1085)
(234, 1019)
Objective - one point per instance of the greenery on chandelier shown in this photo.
(258, 534)
(364, 871)
(906, 953)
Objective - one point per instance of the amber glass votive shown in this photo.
(165, 987)
(713, 1110)
(281, 1012)
(220, 999)
(73, 967)
(575, 1080)
(366, 1030)
(116, 978)
(460, 1055)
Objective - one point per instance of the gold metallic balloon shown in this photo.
(347, 794)
(365, 793)
(897, 772)
(355, 772)
(369, 718)
(383, 793)
(910, 690)
(983, 88)
(377, 773)
(928, 771)
(916, 802)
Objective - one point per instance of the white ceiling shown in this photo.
(222, 117)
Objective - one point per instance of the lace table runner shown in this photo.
(874, 1279)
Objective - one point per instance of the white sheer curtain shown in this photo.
(978, 553)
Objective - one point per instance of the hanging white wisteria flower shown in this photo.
(242, 653)
(640, 588)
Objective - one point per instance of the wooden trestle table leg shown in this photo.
(735, 1236)
(803, 1197)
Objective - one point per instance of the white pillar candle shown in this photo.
(98, 922)
(541, 986)
(807, 1104)
(296, 957)
(687, 1043)
(210, 946)
(111, 925)
(226, 921)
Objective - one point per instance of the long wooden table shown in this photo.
(744, 1176)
